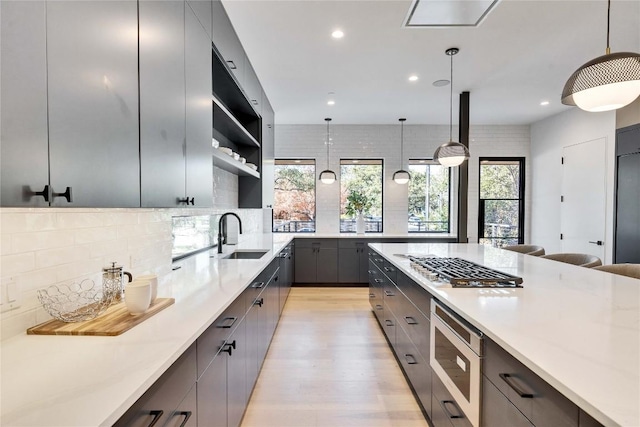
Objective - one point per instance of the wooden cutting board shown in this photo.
(115, 321)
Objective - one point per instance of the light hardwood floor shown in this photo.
(329, 365)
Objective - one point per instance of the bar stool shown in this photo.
(526, 249)
(583, 260)
(629, 270)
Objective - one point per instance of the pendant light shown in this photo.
(401, 176)
(451, 153)
(327, 176)
(605, 83)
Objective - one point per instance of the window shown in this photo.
(501, 208)
(361, 179)
(294, 207)
(429, 197)
(193, 234)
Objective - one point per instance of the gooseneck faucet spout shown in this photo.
(222, 236)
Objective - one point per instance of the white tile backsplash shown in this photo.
(47, 246)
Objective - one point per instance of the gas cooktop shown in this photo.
(461, 273)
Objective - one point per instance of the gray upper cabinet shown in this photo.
(227, 42)
(203, 11)
(23, 128)
(162, 102)
(252, 88)
(92, 54)
(268, 153)
(199, 113)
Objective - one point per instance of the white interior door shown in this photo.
(582, 220)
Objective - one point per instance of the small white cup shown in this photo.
(154, 284)
(137, 296)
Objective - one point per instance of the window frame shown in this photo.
(521, 196)
(350, 162)
(293, 162)
(431, 161)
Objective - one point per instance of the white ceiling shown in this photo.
(521, 54)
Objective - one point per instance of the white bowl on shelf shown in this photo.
(215, 143)
(252, 166)
(235, 156)
(242, 160)
(226, 150)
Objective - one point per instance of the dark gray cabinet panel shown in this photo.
(227, 42)
(92, 54)
(23, 122)
(627, 224)
(497, 410)
(415, 367)
(536, 399)
(186, 414)
(202, 9)
(327, 267)
(162, 103)
(253, 342)
(587, 420)
(348, 265)
(212, 394)
(444, 411)
(305, 265)
(252, 87)
(237, 376)
(199, 112)
(166, 394)
(316, 261)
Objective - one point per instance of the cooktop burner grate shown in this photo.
(461, 273)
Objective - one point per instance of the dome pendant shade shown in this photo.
(327, 176)
(451, 154)
(401, 177)
(605, 83)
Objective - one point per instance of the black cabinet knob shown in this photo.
(46, 193)
(68, 194)
(187, 201)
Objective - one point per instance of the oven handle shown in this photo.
(443, 403)
(475, 336)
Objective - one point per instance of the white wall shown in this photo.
(548, 137)
(383, 142)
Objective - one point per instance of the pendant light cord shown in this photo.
(451, 102)
(328, 120)
(401, 143)
(608, 24)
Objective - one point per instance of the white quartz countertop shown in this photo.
(67, 381)
(373, 236)
(577, 328)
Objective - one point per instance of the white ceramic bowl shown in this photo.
(252, 166)
(236, 156)
(226, 150)
(154, 284)
(242, 160)
(215, 143)
(137, 296)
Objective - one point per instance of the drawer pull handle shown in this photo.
(522, 394)
(257, 285)
(259, 302)
(186, 415)
(388, 269)
(410, 359)
(378, 280)
(389, 294)
(389, 322)
(229, 325)
(156, 417)
(378, 260)
(444, 403)
(372, 295)
(229, 347)
(371, 272)
(410, 320)
(378, 307)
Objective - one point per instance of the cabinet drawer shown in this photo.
(415, 368)
(389, 270)
(445, 411)
(497, 410)
(537, 400)
(377, 259)
(353, 243)
(415, 325)
(415, 293)
(165, 395)
(209, 343)
(317, 243)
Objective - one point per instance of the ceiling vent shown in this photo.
(448, 13)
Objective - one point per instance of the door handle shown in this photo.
(186, 415)
(597, 242)
(47, 193)
(156, 417)
(68, 194)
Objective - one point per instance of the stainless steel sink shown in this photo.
(246, 254)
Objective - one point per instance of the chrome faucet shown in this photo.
(222, 237)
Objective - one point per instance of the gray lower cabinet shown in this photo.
(24, 154)
(237, 357)
(170, 400)
(497, 410)
(445, 412)
(316, 261)
(212, 393)
(353, 261)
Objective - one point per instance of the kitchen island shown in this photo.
(577, 329)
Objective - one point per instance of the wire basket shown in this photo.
(76, 302)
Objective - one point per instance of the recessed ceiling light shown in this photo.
(331, 102)
(413, 78)
(337, 34)
(440, 83)
(543, 103)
